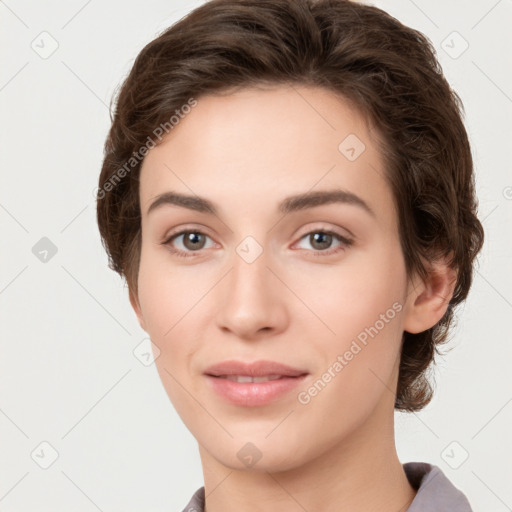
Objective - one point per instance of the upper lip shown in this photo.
(254, 369)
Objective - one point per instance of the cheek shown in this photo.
(165, 293)
(353, 295)
(165, 300)
(173, 304)
(360, 305)
(154, 298)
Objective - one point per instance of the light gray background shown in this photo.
(68, 374)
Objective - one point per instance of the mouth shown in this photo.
(269, 369)
(248, 378)
(253, 384)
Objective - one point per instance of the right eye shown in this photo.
(193, 241)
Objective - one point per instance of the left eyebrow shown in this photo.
(288, 205)
(319, 198)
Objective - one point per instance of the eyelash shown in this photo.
(190, 254)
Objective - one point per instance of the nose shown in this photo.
(252, 300)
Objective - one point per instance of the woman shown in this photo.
(288, 190)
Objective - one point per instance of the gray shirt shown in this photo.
(435, 493)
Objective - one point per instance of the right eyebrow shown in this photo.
(196, 203)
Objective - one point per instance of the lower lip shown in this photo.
(253, 394)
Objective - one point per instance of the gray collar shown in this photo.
(435, 491)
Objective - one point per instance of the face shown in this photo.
(317, 284)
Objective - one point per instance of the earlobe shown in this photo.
(428, 299)
(134, 301)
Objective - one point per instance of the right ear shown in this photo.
(134, 301)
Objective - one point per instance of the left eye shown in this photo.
(322, 240)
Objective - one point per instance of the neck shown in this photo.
(360, 473)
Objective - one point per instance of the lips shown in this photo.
(253, 384)
(270, 369)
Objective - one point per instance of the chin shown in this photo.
(255, 453)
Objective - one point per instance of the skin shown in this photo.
(246, 151)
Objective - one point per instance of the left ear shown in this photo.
(428, 298)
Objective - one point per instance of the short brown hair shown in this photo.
(387, 70)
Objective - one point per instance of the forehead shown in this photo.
(255, 146)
